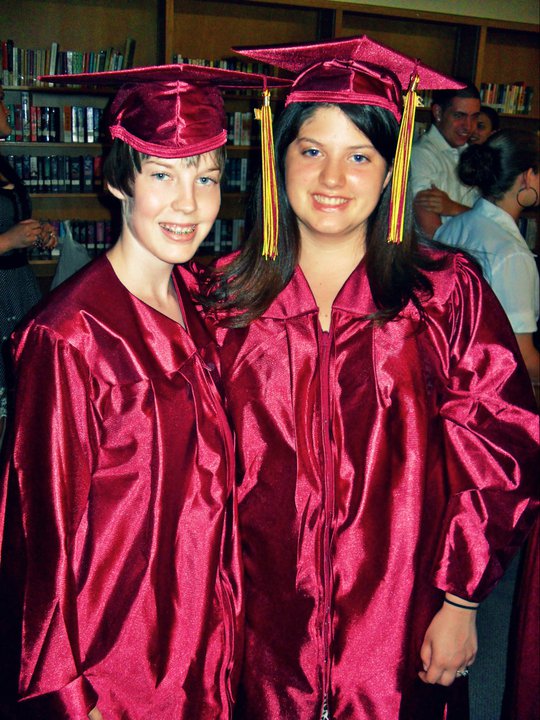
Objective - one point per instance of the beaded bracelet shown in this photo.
(463, 607)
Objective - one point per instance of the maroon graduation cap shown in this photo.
(170, 111)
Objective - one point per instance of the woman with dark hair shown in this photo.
(487, 123)
(505, 169)
(385, 476)
(19, 289)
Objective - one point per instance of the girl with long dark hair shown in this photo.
(385, 423)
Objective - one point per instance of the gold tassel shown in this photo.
(270, 197)
(402, 161)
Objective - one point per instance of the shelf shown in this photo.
(208, 29)
(51, 145)
(483, 50)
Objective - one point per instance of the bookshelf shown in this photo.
(484, 50)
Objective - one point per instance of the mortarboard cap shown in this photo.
(354, 70)
(359, 71)
(170, 111)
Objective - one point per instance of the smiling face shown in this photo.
(334, 178)
(457, 123)
(173, 207)
(483, 129)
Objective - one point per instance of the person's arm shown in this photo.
(490, 429)
(429, 207)
(27, 233)
(531, 356)
(54, 440)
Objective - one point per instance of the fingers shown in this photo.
(444, 673)
(45, 239)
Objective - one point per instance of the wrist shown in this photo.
(457, 602)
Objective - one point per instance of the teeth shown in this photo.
(178, 230)
(325, 200)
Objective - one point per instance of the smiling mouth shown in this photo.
(179, 230)
(330, 201)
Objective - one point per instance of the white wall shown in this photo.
(527, 11)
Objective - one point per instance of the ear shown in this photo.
(528, 177)
(388, 176)
(437, 112)
(116, 192)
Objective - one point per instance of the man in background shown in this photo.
(438, 192)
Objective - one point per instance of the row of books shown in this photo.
(239, 174)
(59, 173)
(230, 63)
(83, 173)
(84, 124)
(68, 124)
(23, 66)
(225, 236)
(96, 236)
(515, 98)
(243, 129)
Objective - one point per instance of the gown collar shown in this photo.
(297, 299)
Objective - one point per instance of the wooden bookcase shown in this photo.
(483, 50)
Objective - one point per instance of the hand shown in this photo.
(22, 235)
(450, 644)
(94, 714)
(47, 238)
(436, 201)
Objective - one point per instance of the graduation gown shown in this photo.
(378, 467)
(124, 467)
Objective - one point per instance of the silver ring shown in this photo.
(462, 673)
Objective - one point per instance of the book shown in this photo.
(129, 53)
(44, 125)
(55, 187)
(25, 115)
(67, 125)
(54, 124)
(75, 174)
(53, 59)
(87, 174)
(34, 178)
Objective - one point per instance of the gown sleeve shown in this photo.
(55, 440)
(490, 431)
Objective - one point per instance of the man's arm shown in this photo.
(429, 207)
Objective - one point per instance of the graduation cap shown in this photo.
(360, 71)
(171, 111)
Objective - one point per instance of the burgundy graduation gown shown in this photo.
(378, 467)
(124, 463)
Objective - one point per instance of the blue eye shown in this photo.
(205, 180)
(311, 152)
(359, 158)
(160, 175)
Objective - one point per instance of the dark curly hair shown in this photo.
(494, 165)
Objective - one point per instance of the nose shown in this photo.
(469, 124)
(332, 172)
(184, 200)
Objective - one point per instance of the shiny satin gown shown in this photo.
(123, 460)
(379, 466)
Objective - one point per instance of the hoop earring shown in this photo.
(533, 202)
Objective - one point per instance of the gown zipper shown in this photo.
(328, 478)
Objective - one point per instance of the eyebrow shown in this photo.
(163, 162)
(364, 146)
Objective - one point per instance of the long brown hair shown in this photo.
(244, 286)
